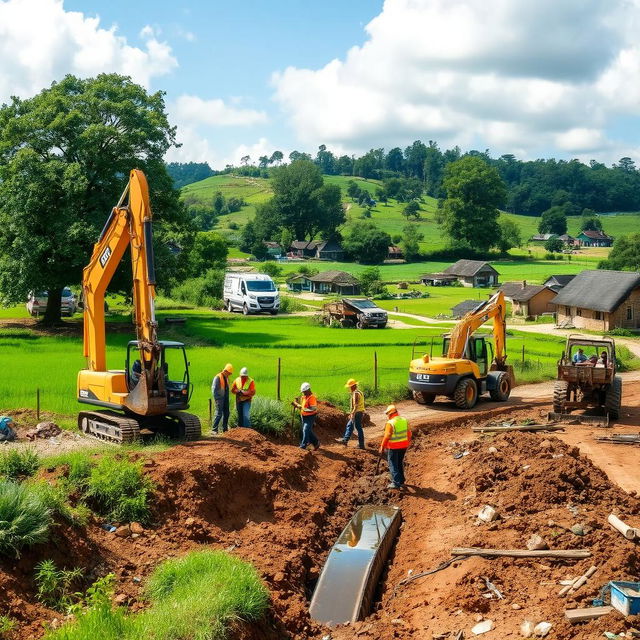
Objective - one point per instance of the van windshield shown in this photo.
(260, 285)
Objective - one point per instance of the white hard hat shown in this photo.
(305, 386)
(244, 371)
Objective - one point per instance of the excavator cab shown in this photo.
(174, 366)
(477, 350)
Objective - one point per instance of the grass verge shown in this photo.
(199, 596)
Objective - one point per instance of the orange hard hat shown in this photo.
(391, 409)
(351, 382)
(228, 367)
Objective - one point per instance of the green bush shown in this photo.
(7, 624)
(118, 489)
(198, 597)
(55, 586)
(268, 416)
(291, 305)
(16, 464)
(24, 518)
(205, 291)
(56, 499)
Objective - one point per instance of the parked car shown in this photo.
(251, 293)
(355, 312)
(37, 302)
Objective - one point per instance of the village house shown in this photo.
(338, 282)
(303, 249)
(330, 250)
(567, 239)
(594, 239)
(557, 282)
(543, 237)
(464, 307)
(600, 300)
(469, 273)
(274, 250)
(528, 300)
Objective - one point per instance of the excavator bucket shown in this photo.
(142, 402)
(571, 418)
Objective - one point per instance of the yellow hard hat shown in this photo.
(351, 382)
(228, 367)
(391, 409)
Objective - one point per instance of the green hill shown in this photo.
(387, 216)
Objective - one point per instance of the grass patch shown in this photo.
(268, 416)
(198, 596)
(16, 465)
(24, 518)
(7, 624)
(118, 489)
(55, 586)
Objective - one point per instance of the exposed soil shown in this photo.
(282, 508)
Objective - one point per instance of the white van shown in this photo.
(251, 293)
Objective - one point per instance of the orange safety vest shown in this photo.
(237, 383)
(309, 405)
(400, 437)
(223, 380)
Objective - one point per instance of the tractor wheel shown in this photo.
(560, 395)
(503, 388)
(613, 399)
(466, 393)
(424, 398)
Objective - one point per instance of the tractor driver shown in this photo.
(580, 357)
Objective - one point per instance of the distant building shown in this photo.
(395, 253)
(600, 300)
(470, 273)
(594, 239)
(567, 239)
(303, 249)
(543, 237)
(274, 250)
(557, 282)
(464, 307)
(330, 250)
(339, 282)
(528, 300)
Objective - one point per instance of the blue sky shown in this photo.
(536, 79)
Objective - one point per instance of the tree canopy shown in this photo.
(469, 213)
(625, 254)
(65, 156)
(553, 220)
(366, 243)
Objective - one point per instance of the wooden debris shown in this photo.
(582, 579)
(582, 615)
(521, 553)
(490, 428)
(620, 438)
(628, 532)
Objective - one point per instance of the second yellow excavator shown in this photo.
(144, 397)
(466, 368)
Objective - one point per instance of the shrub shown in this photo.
(291, 305)
(24, 518)
(7, 624)
(119, 490)
(272, 269)
(16, 464)
(56, 499)
(268, 416)
(205, 291)
(233, 225)
(55, 586)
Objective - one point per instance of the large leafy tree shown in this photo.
(301, 203)
(469, 213)
(65, 156)
(553, 220)
(625, 254)
(366, 243)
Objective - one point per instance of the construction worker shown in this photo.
(397, 437)
(220, 392)
(356, 412)
(243, 388)
(308, 406)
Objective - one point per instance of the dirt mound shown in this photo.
(332, 420)
(273, 504)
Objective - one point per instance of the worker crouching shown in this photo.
(397, 438)
(243, 388)
(308, 406)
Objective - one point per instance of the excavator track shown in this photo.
(190, 424)
(109, 426)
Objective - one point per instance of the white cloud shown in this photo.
(513, 74)
(215, 112)
(41, 42)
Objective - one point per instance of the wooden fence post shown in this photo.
(523, 354)
(375, 371)
(38, 404)
(210, 412)
(278, 382)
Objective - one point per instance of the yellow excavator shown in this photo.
(144, 398)
(468, 367)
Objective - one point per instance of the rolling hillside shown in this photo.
(389, 216)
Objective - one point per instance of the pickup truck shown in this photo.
(355, 312)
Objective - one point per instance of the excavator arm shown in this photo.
(493, 308)
(128, 225)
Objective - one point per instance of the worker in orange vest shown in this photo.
(243, 388)
(397, 438)
(356, 412)
(308, 406)
(220, 392)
